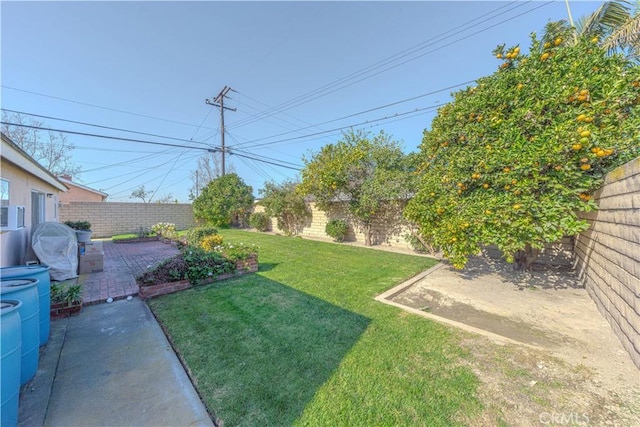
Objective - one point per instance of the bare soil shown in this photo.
(561, 363)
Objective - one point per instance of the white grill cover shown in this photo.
(56, 245)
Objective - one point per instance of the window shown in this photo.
(4, 192)
(37, 208)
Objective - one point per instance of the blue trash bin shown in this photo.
(40, 272)
(11, 348)
(25, 290)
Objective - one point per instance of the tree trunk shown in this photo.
(524, 259)
(367, 234)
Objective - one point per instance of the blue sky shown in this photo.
(300, 71)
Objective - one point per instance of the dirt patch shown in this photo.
(570, 369)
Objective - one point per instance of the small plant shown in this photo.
(195, 235)
(164, 229)
(337, 229)
(209, 243)
(69, 294)
(79, 225)
(143, 232)
(259, 221)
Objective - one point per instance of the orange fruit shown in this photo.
(576, 147)
(581, 118)
(506, 170)
(499, 55)
(485, 185)
(588, 119)
(600, 153)
(557, 41)
(585, 167)
(517, 206)
(584, 160)
(585, 133)
(544, 56)
(547, 45)
(584, 140)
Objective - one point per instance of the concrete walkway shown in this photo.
(112, 365)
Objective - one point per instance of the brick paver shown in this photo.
(122, 263)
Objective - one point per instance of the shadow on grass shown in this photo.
(257, 350)
(267, 266)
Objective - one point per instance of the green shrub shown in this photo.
(337, 229)
(78, 225)
(195, 235)
(259, 221)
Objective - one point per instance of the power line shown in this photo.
(99, 106)
(106, 136)
(333, 86)
(99, 126)
(346, 127)
(364, 111)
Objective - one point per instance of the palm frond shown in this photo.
(625, 36)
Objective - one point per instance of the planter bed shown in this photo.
(250, 265)
(137, 240)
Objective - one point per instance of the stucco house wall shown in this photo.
(25, 177)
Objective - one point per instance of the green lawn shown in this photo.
(303, 342)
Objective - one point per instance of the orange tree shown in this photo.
(512, 160)
(370, 176)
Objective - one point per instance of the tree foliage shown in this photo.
(142, 194)
(224, 201)
(370, 175)
(52, 150)
(283, 202)
(209, 167)
(512, 160)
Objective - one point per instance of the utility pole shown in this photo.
(219, 102)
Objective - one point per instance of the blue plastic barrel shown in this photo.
(10, 347)
(40, 272)
(26, 290)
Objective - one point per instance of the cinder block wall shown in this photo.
(608, 254)
(387, 232)
(111, 218)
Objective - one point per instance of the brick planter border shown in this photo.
(250, 265)
(60, 310)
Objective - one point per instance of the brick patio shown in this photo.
(122, 263)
